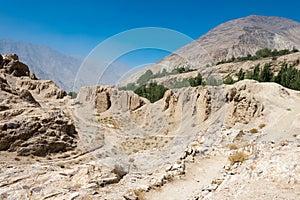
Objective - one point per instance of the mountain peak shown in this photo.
(240, 37)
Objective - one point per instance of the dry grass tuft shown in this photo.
(233, 147)
(262, 126)
(238, 157)
(139, 194)
(254, 130)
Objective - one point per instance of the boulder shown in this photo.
(38, 136)
(11, 64)
(18, 69)
(26, 95)
(11, 57)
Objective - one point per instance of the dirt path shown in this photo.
(198, 175)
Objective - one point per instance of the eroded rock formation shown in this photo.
(29, 125)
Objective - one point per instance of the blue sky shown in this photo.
(76, 27)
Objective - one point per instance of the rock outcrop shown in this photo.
(101, 98)
(193, 143)
(243, 107)
(29, 125)
(42, 88)
(12, 65)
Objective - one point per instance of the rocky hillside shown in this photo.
(236, 38)
(32, 119)
(195, 142)
(236, 141)
(45, 62)
(232, 69)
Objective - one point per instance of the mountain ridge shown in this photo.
(244, 31)
(44, 61)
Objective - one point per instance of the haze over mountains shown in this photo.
(45, 62)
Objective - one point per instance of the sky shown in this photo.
(75, 27)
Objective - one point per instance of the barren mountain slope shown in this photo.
(238, 37)
(241, 37)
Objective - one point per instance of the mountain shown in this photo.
(238, 37)
(45, 62)
(241, 37)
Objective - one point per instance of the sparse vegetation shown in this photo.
(148, 75)
(288, 76)
(194, 82)
(138, 144)
(152, 91)
(180, 84)
(262, 53)
(229, 80)
(73, 94)
(212, 81)
(145, 77)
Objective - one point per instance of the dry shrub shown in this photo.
(254, 130)
(262, 126)
(135, 150)
(233, 147)
(17, 159)
(139, 194)
(237, 157)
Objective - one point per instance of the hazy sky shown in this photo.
(76, 27)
